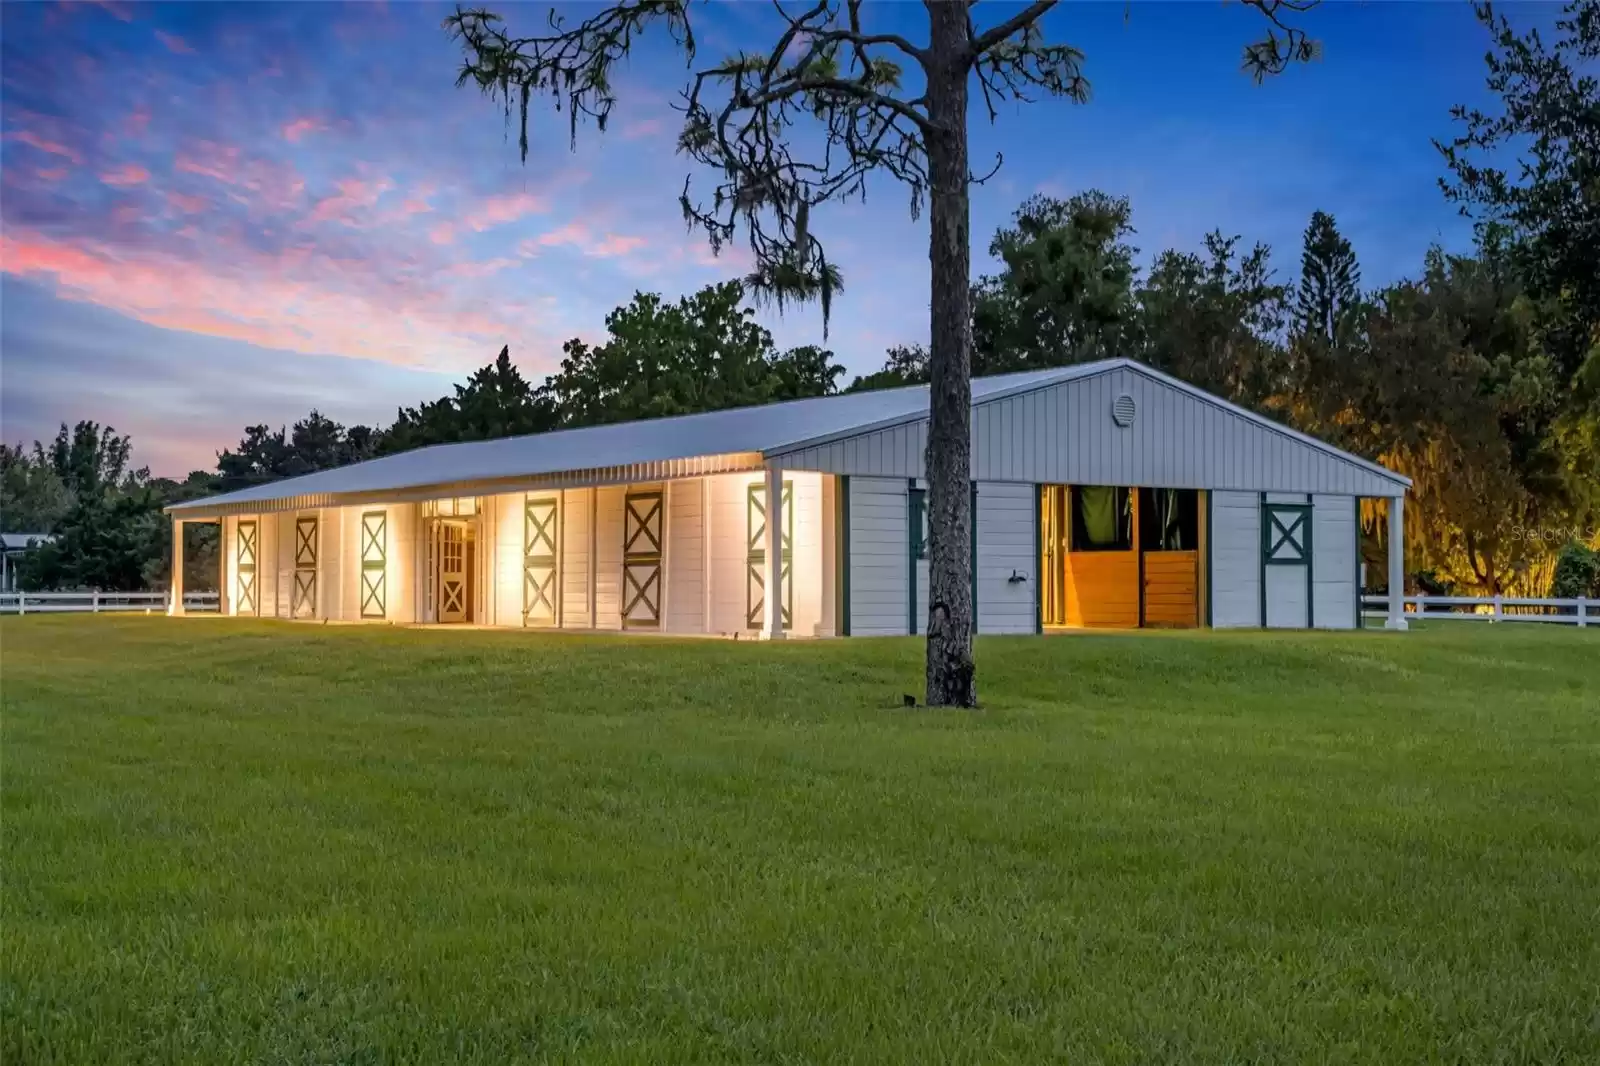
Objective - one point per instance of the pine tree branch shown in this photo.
(1021, 20)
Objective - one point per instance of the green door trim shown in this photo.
(374, 564)
(916, 547)
(1288, 544)
(974, 563)
(303, 597)
(247, 544)
(756, 555)
(1261, 522)
(541, 566)
(649, 527)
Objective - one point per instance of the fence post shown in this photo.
(22, 602)
(1583, 611)
(94, 602)
(1499, 610)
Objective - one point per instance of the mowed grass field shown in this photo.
(229, 841)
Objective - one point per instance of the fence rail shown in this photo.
(1581, 611)
(99, 602)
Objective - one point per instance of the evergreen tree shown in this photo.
(1330, 283)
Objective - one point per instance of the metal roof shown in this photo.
(760, 429)
(753, 433)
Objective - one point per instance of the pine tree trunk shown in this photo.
(949, 458)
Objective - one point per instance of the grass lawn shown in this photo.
(228, 841)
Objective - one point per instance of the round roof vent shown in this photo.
(1122, 410)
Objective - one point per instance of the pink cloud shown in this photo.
(300, 127)
(126, 175)
(220, 164)
(274, 186)
(443, 233)
(577, 234)
(473, 269)
(498, 210)
(117, 11)
(300, 299)
(614, 244)
(51, 174)
(174, 43)
(189, 205)
(51, 147)
(646, 127)
(354, 195)
(138, 119)
(573, 233)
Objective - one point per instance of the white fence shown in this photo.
(98, 602)
(1578, 612)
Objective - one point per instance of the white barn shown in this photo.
(1106, 495)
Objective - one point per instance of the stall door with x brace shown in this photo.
(755, 580)
(1286, 564)
(245, 599)
(641, 560)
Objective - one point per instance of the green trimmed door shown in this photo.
(303, 602)
(642, 523)
(539, 561)
(1286, 565)
(246, 601)
(374, 564)
(755, 582)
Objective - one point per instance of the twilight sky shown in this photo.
(213, 215)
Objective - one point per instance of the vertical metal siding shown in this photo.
(1064, 434)
(685, 609)
(1334, 577)
(608, 556)
(878, 587)
(575, 558)
(1006, 545)
(1235, 559)
(505, 539)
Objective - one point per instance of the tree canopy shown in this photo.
(496, 401)
(705, 352)
(1064, 293)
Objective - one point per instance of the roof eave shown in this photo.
(579, 477)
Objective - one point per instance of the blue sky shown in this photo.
(215, 214)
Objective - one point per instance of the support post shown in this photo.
(772, 598)
(222, 567)
(1583, 611)
(175, 608)
(705, 552)
(1397, 564)
(594, 556)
